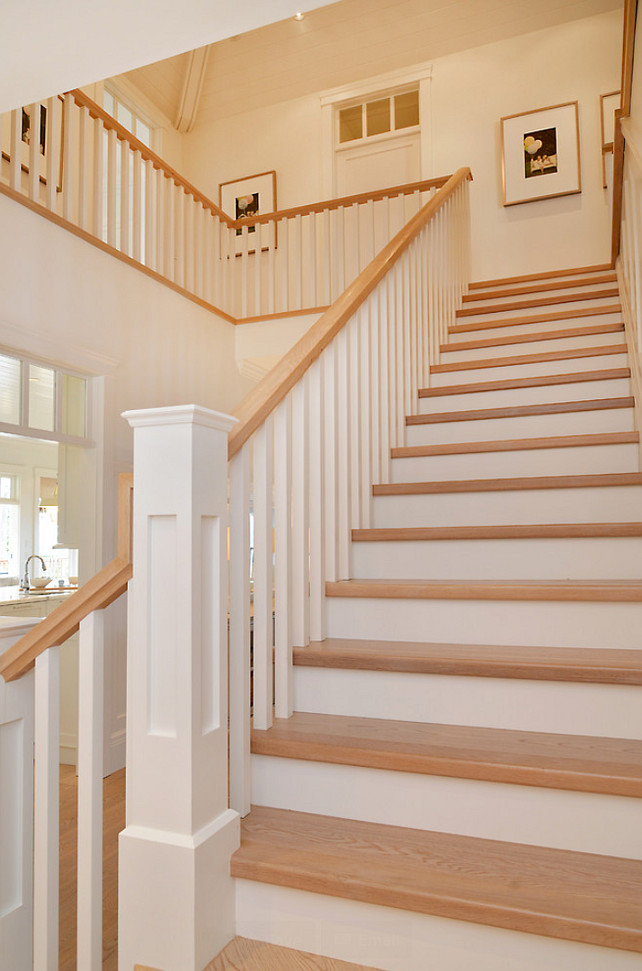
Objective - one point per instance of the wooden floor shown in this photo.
(114, 822)
(242, 954)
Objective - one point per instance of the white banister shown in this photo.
(176, 898)
(34, 151)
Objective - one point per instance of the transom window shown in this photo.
(41, 401)
(379, 116)
(128, 117)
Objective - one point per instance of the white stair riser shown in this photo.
(531, 310)
(567, 708)
(576, 460)
(527, 426)
(449, 356)
(531, 623)
(573, 391)
(584, 822)
(499, 559)
(560, 294)
(396, 940)
(458, 333)
(528, 370)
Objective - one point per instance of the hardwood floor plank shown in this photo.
(541, 335)
(471, 326)
(539, 302)
(486, 362)
(520, 411)
(571, 377)
(593, 481)
(488, 293)
(576, 271)
(516, 444)
(242, 954)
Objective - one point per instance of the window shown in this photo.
(380, 116)
(41, 401)
(9, 525)
(128, 117)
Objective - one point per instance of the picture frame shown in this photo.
(253, 195)
(541, 154)
(609, 103)
(45, 138)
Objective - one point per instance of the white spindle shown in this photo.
(124, 196)
(169, 238)
(84, 148)
(376, 402)
(365, 364)
(90, 792)
(317, 503)
(312, 220)
(327, 235)
(400, 352)
(283, 689)
(97, 178)
(112, 187)
(298, 258)
(343, 453)
(69, 157)
(384, 391)
(15, 163)
(53, 157)
(370, 211)
(271, 261)
(189, 263)
(330, 438)
(244, 258)
(355, 415)
(34, 152)
(300, 596)
(263, 580)
(137, 206)
(258, 309)
(285, 263)
(240, 789)
(202, 248)
(179, 200)
(340, 235)
(151, 212)
(46, 811)
(356, 242)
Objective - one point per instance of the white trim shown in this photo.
(380, 83)
(170, 838)
(192, 89)
(180, 415)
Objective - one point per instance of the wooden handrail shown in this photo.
(628, 51)
(263, 399)
(103, 588)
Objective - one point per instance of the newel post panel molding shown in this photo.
(16, 809)
(176, 898)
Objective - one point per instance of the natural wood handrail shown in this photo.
(628, 50)
(103, 588)
(262, 400)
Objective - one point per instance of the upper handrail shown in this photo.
(103, 588)
(263, 399)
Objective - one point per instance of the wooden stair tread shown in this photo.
(464, 328)
(552, 274)
(542, 335)
(546, 380)
(539, 302)
(605, 666)
(605, 591)
(516, 444)
(531, 531)
(518, 411)
(578, 763)
(244, 954)
(557, 893)
(479, 293)
(485, 362)
(589, 481)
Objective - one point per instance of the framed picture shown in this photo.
(609, 103)
(46, 127)
(541, 154)
(241, 199)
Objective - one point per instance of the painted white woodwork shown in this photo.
(16, 809)
(239, 650)
(263, 574)
(283, 558)
(84, 196)
(176, 906)
(46, 812)
(300, 575)
(91, 666)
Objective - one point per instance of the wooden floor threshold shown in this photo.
(598, 480)
(556, 893)
(539, 381)
(522, 411)
(414, 534)
(468, 327)
(487, 362)
(558, 591)
(532, 338)
(516, 445)
(488, 293)
(593, 665)
(497, 308)
(549, 275)
(611, 766)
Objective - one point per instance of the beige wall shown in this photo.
(469, 93)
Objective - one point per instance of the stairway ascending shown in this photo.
(460, 785)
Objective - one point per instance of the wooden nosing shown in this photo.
(516, 444)
(615, 308)
(603, 591)
(597, 481)
(519, 411)
(571, 377)
(517, 291)
(542, 335)
(540, 302)
(604, 351)
(413, 534)
(523, 278)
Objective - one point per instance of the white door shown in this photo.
(378, 165)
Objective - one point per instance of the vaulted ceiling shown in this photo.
(341, 43)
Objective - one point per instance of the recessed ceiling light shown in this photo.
(298, 16)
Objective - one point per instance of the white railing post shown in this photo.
(16, 810)
(176, 897)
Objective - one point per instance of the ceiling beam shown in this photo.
(192, 87)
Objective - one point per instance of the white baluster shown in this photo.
(327, 235)
(203, 259)
(286, 264)
(46, 811)
(340, 226)
(137, 206)
(244, 259)
(355, 415)
(356, 242)
(90, 792)
(15, 164)
(400, 352)
(393, 350)
(169, 238)
(263, 578)
(258, 309)
(329, 362)
(283, 693)
(98, 178)
(84, 147)
(376, 401)
(239, 533)
(312, 224)
(124, 196)
(343, 453)
(179, 200)
(112, 187)
(365, 363)
(34, 152)
(298, 258)
(384, 390)
(317, 502)
(300, 596)
(370, 210)
(151, 215)
(273, 229)
(188, 204)
(54, 107)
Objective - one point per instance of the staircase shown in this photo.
(459, 786)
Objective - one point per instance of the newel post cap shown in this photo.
(180, 415)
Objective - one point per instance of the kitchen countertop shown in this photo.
(13, 594)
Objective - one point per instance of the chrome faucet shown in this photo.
(26, 583)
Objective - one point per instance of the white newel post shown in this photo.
(176, 898)
(16, 810)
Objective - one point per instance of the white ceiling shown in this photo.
(48, 47)
(343, 42)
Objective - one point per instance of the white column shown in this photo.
(176, 898)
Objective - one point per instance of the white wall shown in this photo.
(470, 91)
(65, 301)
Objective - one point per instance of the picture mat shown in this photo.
(517, 188)
(265, 184)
